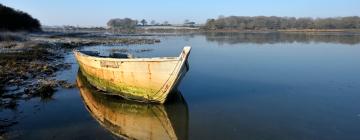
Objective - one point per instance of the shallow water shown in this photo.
(239, 86)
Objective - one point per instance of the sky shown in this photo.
(98, 12)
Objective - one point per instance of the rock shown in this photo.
(44, 88)
(24, 96)
(45, 91)
(65, 84)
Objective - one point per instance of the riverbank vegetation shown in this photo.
(122, 25)
(281, 23)
(15, 20)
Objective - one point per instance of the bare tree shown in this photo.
(143, 22)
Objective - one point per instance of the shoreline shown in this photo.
(142, 32)
(30, 62)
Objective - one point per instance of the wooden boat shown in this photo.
(141, 79)
(133, 120)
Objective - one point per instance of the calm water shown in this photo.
(239, 86)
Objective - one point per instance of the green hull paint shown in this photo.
(125, 91)
(129, 91)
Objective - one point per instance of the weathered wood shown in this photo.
(142, 79)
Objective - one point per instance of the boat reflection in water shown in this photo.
(133, 120)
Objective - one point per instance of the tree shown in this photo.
(304, 23)
(14, 20)
(210, 24)
(274, 23)
(125, 23)
(186, 21)
(143, 22)
(166, 23)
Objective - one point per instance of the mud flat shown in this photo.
(29, 64)
(72, 40)
(27, 70)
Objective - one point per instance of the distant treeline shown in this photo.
(14, 20)
(277, 23)
(125, 23)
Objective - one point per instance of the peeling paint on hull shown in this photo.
(142, 79)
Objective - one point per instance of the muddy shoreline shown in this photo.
(35, 57)
(29, 63)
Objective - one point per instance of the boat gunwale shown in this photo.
(152, 59)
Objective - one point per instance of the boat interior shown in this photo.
(119, 55)
(111, 55)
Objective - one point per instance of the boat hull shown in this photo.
(141, 79)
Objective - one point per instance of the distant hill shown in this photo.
(15, 20)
